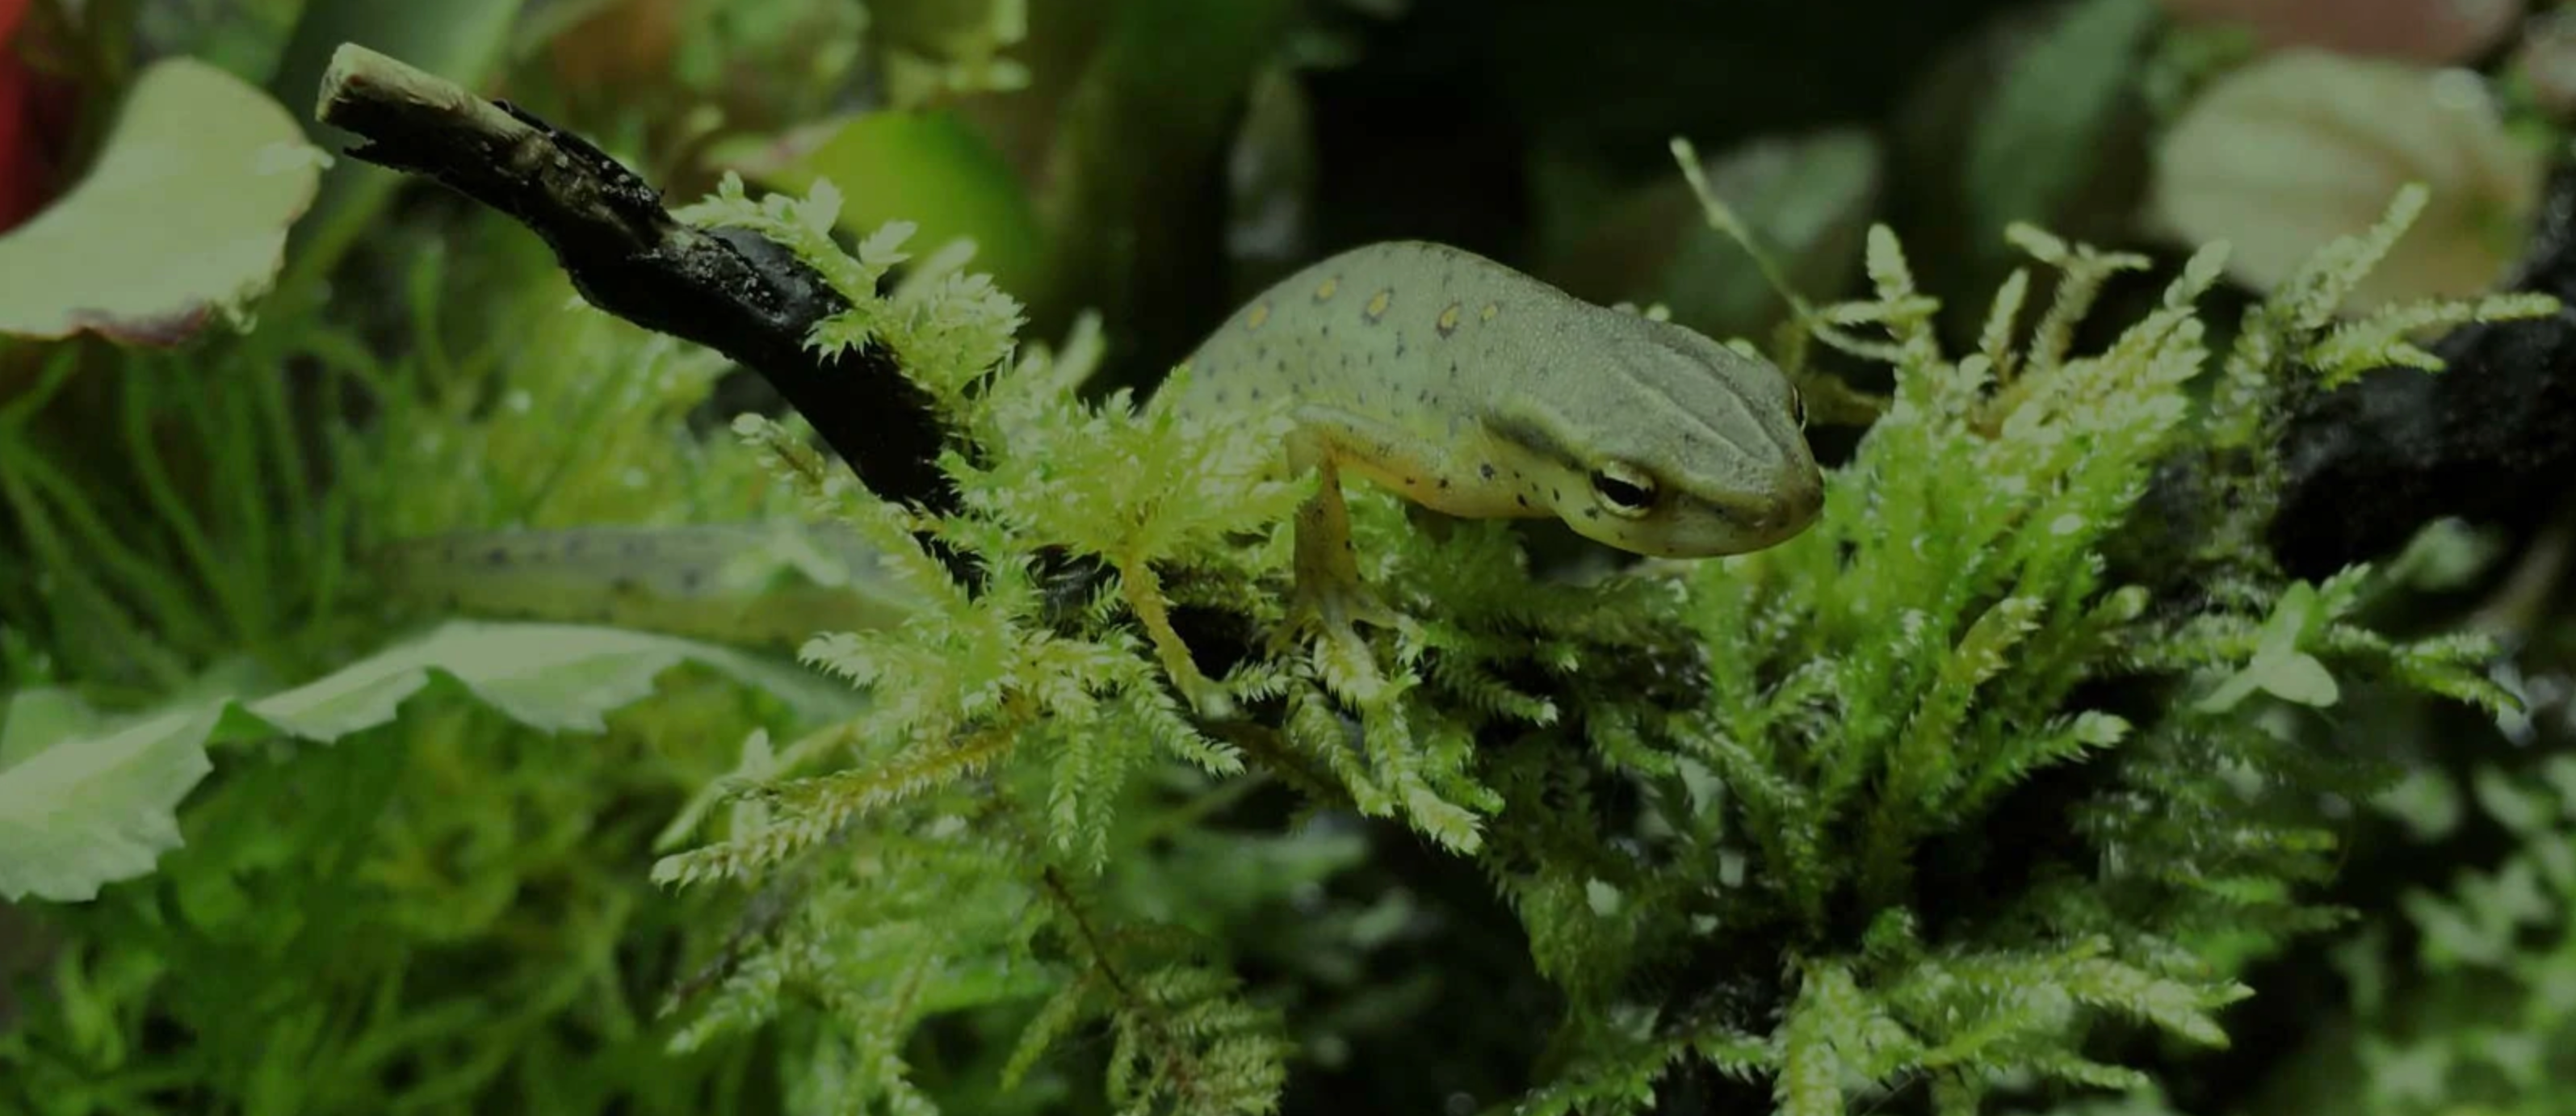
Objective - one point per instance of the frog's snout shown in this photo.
(1800, 499)
(1806, 499)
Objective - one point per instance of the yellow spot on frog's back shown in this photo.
(1378, 302)
(1448, 322)
(1326, 288)
(1259, 314)
(1487, 314)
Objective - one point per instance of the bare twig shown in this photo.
(733, 292)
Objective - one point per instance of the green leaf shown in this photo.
(183, 217)
(79, 809)
(2278, 667)
(554, 677)
(2287, 155)
(76, 810)
(2299, 678)
(38, 718)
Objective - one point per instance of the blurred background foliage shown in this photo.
(450, 913)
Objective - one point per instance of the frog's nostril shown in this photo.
(1807, 497)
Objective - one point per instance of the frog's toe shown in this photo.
(1340, 610)
(1364, 607)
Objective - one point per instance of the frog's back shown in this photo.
(1397, 328)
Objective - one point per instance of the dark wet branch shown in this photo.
(734, 292)
(2490, 439)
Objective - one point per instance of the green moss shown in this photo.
(1812, 738)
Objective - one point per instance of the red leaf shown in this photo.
(31, 115)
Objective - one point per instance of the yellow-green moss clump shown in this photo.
(1776, 772)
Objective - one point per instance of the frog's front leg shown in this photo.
(1329, 591)
(1329, 596)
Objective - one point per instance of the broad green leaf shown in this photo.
(77, 811)
(80, 807)
(182, 218)
(2302, 147)
(928, 167)
(2297, 678)
(556, 677)
(38, 718)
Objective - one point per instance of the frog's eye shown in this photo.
(1624, 489)
(1798, 407)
